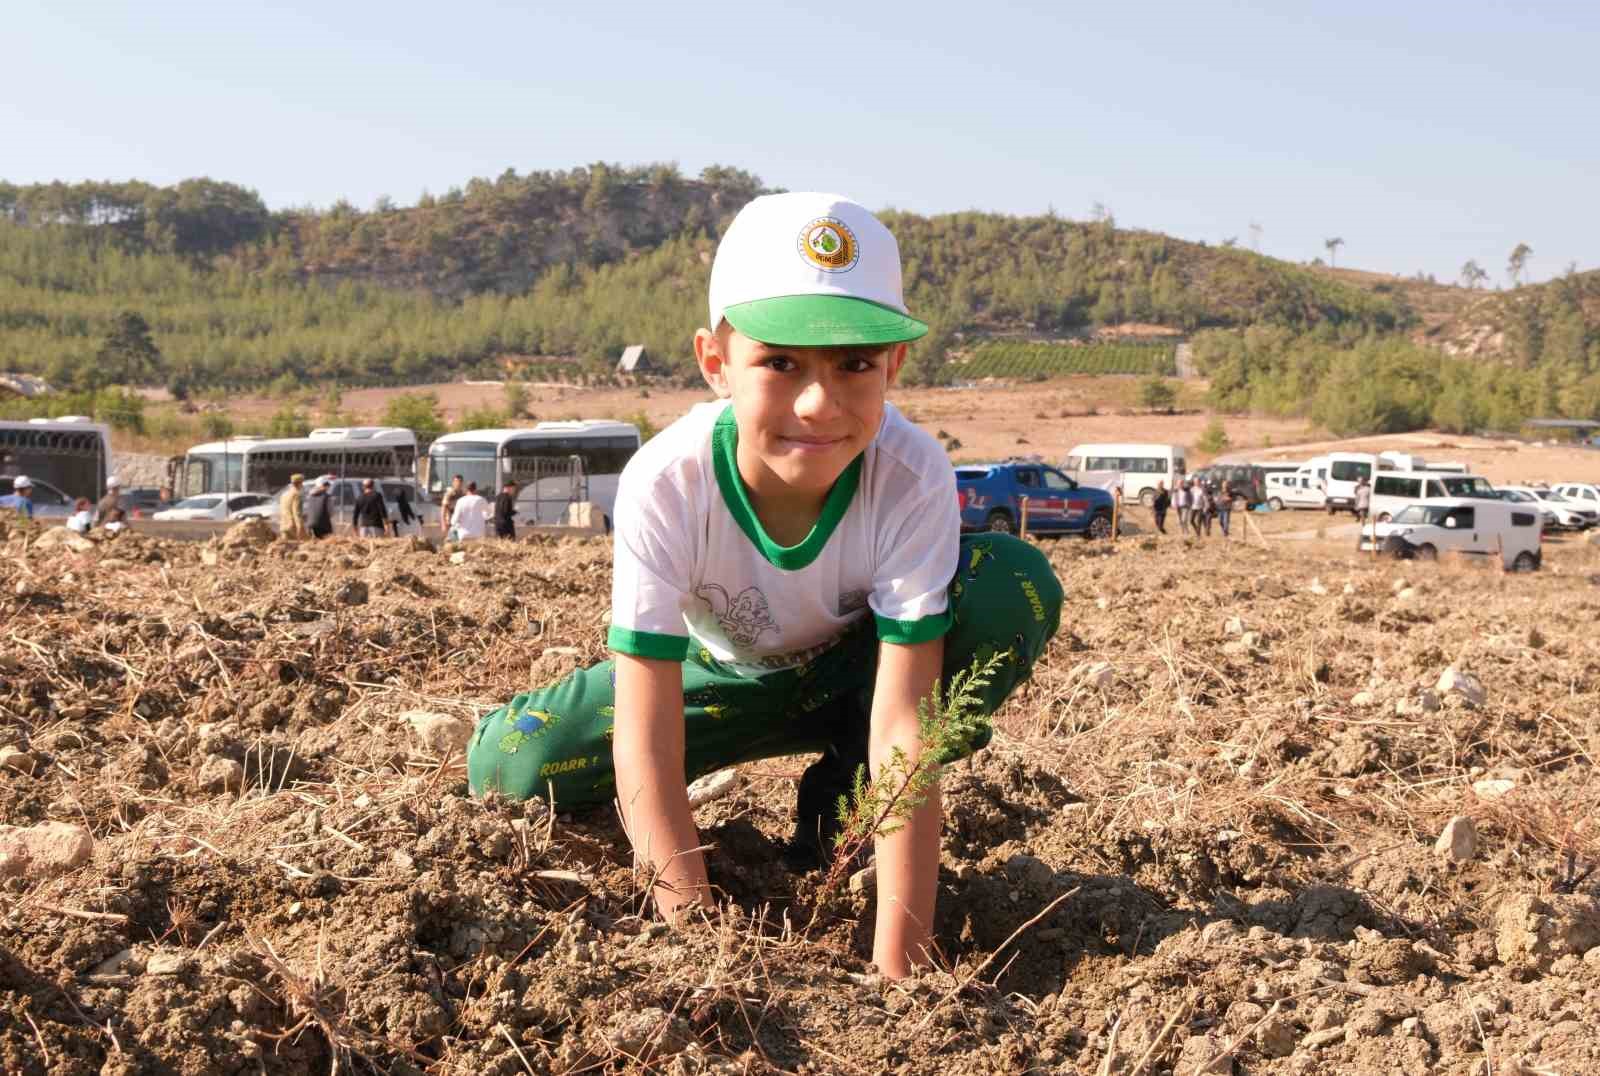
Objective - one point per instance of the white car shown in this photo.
(1294, 489)
(217, 506)
(1559, 512)
(1518, 495)
(1468, 527)
(1583, 494)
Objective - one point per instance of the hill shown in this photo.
(574, 263)
(226, 294)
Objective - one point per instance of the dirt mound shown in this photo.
(1203, 839)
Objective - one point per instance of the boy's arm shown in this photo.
(648, 752)
(908, 859)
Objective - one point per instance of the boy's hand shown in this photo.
(648, 752)
(908, 859)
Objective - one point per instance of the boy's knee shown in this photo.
(505, 754)
(1004, 572)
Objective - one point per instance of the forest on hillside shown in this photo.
(581, 263)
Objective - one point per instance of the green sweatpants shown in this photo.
(1004, 597)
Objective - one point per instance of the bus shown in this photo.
(1135, 467)
(263, 464)
(71, 455)
(554, 464)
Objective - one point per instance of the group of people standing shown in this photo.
(1199, 505)
(312, 517)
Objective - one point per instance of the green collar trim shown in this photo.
(725, 461)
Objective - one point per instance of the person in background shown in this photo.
(1160, 505)
(164, 498)
(82, 517)
(319, 510)
(1363, 507)
(370, 517)
(116, 522)
(505, 511)
(1183, 498)
(20, 499)
(1199, 504)
(405, 514)
(291, 514)
(1225, 506)
(111, 501)
(447, 506)
(471, 514)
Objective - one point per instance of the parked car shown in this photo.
(1295, 489)
(1468, 527)
(1247, 481)
(1583, 494)
(143, 501)
(991, 495)
(1559, 512)
(1519, 496)
(218, 506)
(48, 501)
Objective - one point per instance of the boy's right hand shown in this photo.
(648, 752)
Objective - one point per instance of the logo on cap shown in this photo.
(828, 244)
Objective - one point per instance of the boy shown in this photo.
(789, 577)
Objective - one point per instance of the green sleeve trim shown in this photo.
(905, 632)
(648, 644)
(725, 462)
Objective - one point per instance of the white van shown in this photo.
(1135, 467)
(1393, 490)
(1467, 527)
(1295, 489)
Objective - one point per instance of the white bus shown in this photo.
(263, 465)
(71, 454)
(1135, 467)
(1340, 471)
(554, 464)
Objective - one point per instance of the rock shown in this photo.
(220, 774)
(122, 963)
(1233, 626)
(47, 849)
(248, 533)
(1363, 699)
(1428, 701)
(713, 786)
(648, 1034)
(166, 962)
(864, 880)
(1408, 594)
(210, 557)
(1277, 1037)
(419, 544)
(1533, 931)
(351, 592)
(1317, 588)
(16, 760)
(1458, 841)
(1492, 788)
(1318, 1039)
(1093, 674)
(443, 734)
(458, 557)
(61, 538)
(1463, 685)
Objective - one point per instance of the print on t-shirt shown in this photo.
(744, 618)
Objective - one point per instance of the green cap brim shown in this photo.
(822, 321)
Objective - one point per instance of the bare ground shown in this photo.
(1227, 825)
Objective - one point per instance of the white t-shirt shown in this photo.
(692, 561)
(470, 514)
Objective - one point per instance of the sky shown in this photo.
(1423, 134)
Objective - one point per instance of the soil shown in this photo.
(1229, 828)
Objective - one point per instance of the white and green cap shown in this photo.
(810, 270)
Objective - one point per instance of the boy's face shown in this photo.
(803, 413)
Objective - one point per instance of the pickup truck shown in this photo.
(991, 495)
